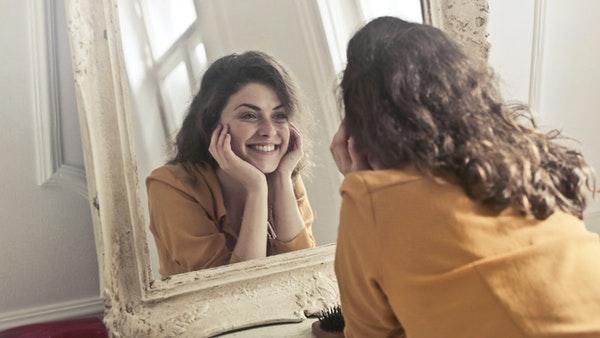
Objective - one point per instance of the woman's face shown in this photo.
(259, 126)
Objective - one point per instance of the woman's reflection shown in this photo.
(233, 192)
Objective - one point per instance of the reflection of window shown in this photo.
(166, 21)
(168, 41)
(341, 18)
(176, 90)
(406, 10)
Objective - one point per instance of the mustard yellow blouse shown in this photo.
(417, 258)
(189, 221)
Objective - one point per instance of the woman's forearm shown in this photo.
(252, 238)
(287, 219)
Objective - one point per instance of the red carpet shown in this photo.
(74, 328)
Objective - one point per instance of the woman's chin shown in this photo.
(268, 170)
(265, 168)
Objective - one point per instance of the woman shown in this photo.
(234, 181)
(457, 220)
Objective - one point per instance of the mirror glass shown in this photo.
(197, 212)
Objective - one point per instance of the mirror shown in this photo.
(167, 48)
(281, 288)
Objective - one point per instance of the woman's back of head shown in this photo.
(412, 97)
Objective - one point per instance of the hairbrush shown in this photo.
(331, 319)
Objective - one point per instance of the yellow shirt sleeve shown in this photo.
(186, 238)
(364, 303)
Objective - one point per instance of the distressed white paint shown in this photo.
(465, 20)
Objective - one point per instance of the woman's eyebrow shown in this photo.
(251, 106)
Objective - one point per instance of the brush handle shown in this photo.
(320, 333)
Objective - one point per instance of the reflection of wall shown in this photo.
(47, 252)
(561, 83)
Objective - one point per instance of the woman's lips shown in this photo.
(263, 148)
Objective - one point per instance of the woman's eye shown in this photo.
(248, 116)
(281, 116)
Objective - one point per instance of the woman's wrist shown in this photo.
(280, 179)
(258, 185)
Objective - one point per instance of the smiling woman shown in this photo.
(233, 192)
(258, 124)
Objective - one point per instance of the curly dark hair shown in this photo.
(413, 98)
(225, 77)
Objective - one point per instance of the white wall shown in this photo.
(570, 99)
(47, 251)
(561, 83)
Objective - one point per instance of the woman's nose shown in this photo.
(267, 128)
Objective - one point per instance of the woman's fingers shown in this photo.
(212, 148)
(339, 150)
(346, 156)
(354, 157)
(359, 162)
(342, 157)
(221, 141)
(227, 151)
(220, 146)
(228, 157)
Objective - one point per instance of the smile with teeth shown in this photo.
(264, 148)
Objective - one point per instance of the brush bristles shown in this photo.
(331, 319)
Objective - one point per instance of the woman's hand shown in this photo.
(294, 153)
(344, 153)
(245, 173)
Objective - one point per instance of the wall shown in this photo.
(47, 251)
(569, 98)
(546, 53)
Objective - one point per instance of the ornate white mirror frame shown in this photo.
(283, 288)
